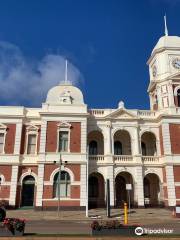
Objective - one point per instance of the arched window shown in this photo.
(61, 184)
(93, 148)
(143, 148)
(117, 148)
(178, 97)
(0, 181)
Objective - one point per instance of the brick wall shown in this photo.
(52, 135)
(75, 139)
(174, 130)
(10, 138)
(176, 173)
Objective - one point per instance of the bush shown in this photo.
(112, 224)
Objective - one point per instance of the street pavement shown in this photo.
(76, 223)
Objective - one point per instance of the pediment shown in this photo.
(63, 124)
(121, 114)
(2, 126)
(32, 128)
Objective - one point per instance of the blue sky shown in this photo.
(107, 43)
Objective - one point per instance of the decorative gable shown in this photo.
(121, 114)
(32, 128)
(3, 128)
(64, 124)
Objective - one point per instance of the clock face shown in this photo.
(154, 71)
(176, 63)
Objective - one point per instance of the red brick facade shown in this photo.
(175, 138)
(10, 138)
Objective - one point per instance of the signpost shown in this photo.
(108, 198)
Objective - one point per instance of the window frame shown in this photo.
(68, 183)
(3, 130)
(31, 130)
(63, 127)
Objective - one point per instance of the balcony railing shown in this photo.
(122, 158)
(150, 159)
(146, 113)
(118, 159)
(99, 158)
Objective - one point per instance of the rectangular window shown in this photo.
(31, 148)
(1, 142)
(63, 141)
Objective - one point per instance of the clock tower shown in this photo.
(164, 71)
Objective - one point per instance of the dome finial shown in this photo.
(165, 26)
(65, 81)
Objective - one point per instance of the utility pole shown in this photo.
(59, 178)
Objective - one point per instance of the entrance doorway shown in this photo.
(121, 180)
(27, 195)
(96, 191)
(151, 190)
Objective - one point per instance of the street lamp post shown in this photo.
(87, 179)
(59, 178)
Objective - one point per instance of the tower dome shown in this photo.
(65, 93)
(167, 42)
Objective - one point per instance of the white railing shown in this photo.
(150, 159)
(146, 113)
(99, 158)
(122, 158)
(96, 112)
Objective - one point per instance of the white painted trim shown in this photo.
(64, 169)
(176, 89)
(114, 131)
(49, 183)
(3, 131)
(153, 171)
(31, 130)
(62, 199)
(124, 171)
(2, 179)
(29, 173)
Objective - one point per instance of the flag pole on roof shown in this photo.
(165, 26)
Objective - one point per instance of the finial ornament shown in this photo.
(165, 25)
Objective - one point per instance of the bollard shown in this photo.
(125, 214)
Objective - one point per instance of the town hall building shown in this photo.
(66, 151)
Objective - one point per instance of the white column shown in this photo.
(18, 138)
(140, 187)
(108, 142)
(170, 186)
(169, 167)
(110, 176)
(43, 137)
(83, 193)
(135, 144)
(166, 139)
(13, 189)
(171, 94)
(39, 192)
(160, 106)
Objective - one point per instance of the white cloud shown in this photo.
(25, 81)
